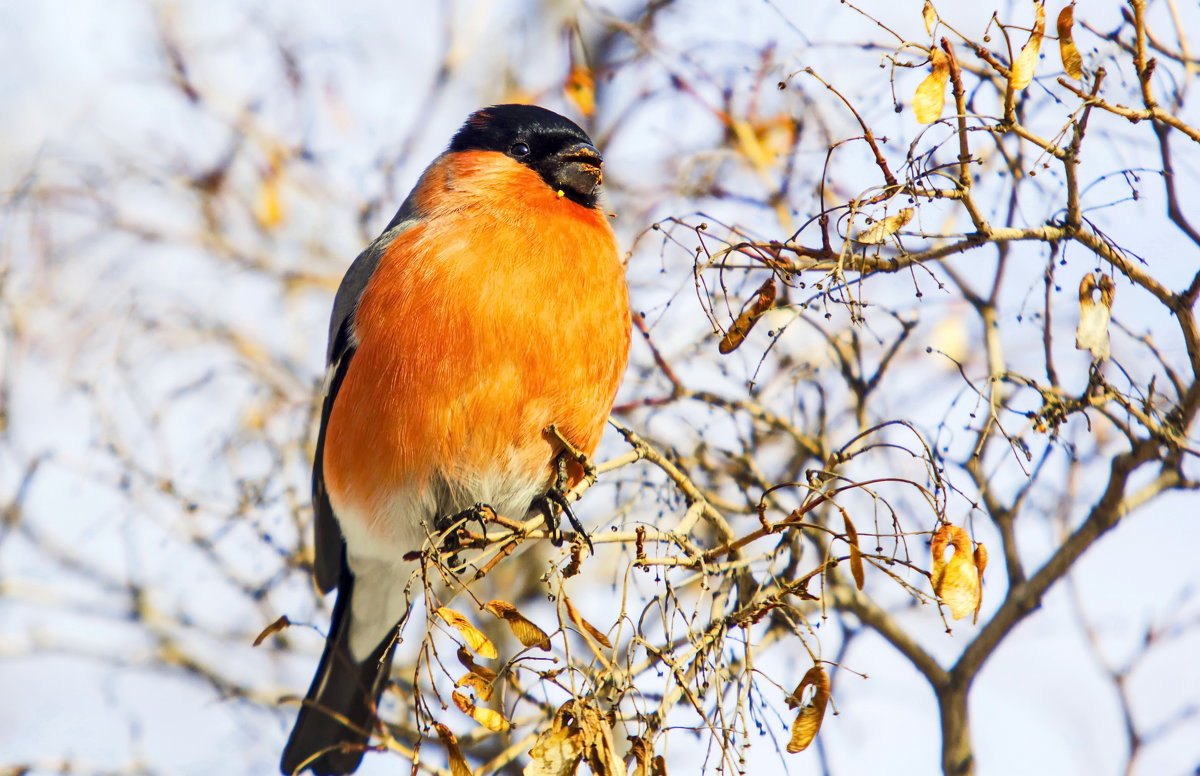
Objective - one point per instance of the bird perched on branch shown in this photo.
(493, 305)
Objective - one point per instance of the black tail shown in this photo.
(342, 688)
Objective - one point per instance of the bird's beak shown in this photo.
(578, 168)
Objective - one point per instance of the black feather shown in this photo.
(341, 688)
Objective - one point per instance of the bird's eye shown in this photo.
(519, 149)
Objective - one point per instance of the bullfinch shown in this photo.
(493, 305)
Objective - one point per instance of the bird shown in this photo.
(493, 306)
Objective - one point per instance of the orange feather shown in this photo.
(503, 310)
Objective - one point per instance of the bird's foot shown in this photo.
(569, 452)
(556, 495)
(453, 526)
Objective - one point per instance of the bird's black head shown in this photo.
(551, 145)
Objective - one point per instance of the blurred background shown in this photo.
(184, 184)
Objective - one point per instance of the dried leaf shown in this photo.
(812, 711)
(481, 645)
(762, 301)
(458, 763)
(950, 336)
(980, 564)
(580, 89)
(482, 687)
(1025, 64)
(882, 229)
(856, 561)
(558, 751)
(930, 97)
(584, 625)
(274, 627)
(751, 145)
(464, 657)
(930, 16)
(1072, 62)
(598, 746)
(640, 751)
(1094, 315)
(480, 678)
(956, 582)
(268, 205)
(489, 718)
(526, 632)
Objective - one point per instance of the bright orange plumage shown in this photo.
(504, 313)
(493, 306)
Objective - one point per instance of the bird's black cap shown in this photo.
(552, 145)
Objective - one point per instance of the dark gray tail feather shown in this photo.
(342, 687)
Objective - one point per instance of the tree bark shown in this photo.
(958, 759)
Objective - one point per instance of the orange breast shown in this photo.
(503, 311)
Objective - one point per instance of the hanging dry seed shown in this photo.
(584, 625)
(812, 712)
(879, 231)
(580, 88)
(980, 564)
(956, 581)
(1072, 62)
(458, 763)
(763, 300)
(1095, 314)
(930, 97)
(489, 718)
(275, 627)
(856, 561)
(1026, 62)
(526, 632)
(472, 635)
(558, 751)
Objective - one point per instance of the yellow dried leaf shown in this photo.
(464, 657)
(268, 204)
(458, 763)
(580, 89)
(751, 145)
(484, 676)
(880, 230)
(981, 560)
(482, 685)
(930, 16)
(481, 645)
(584, 625)
(599, 748)
(930, 97)
(1026, 62)
(273, 628)
(1095, 314)
(557, 751)
(526, 632)
(812, 711)
(956, 581)
(856, 561)
(1072, 62)
(762, 301)
(489, 718)
(950, 336)
(641, 752)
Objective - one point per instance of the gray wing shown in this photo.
(329, 545)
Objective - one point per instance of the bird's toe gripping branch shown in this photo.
(556, 495)
(450, 525)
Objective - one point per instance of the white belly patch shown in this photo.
(376, 542)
